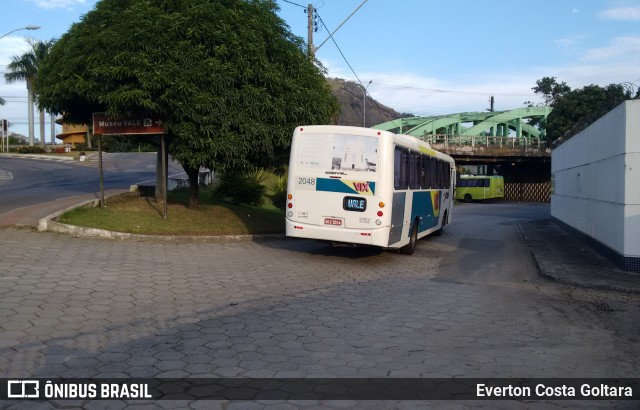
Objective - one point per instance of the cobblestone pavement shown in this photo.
(467, 304)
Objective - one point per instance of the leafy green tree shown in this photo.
(577, 109)
(26, 68)
(550, 89)
(227, 76)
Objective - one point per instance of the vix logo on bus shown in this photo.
(361, 187)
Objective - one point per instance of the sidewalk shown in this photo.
(563, 257)
(43, 157)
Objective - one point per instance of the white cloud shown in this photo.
(621, 48)
(15, 110)
(57, 4)
(569, 44)
(425, 95)
(622, 13)
(575, 11)
(421, 95)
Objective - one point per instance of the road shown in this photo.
(467, 304)
(26, 182)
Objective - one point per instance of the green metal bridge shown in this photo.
(502, 133)
(500, 141)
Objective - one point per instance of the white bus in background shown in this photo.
(365, 186)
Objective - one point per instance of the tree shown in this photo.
(577, 109)
(26, 68)
(550, 89)
(227, 76)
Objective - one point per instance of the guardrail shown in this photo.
(487, 145)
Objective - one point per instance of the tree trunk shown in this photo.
(89, 134)
(194, 188)
(30, 111)
(53, 128)
(43, 142)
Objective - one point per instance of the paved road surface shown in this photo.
(467, 304)
(28, 182)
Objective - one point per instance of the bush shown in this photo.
(278, 194)
(36, 149)
(243, 188)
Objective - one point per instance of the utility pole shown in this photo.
(310, 28)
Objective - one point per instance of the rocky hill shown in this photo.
(350, 97)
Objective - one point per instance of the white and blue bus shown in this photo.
(366, 186)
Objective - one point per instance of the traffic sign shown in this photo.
(139, 125)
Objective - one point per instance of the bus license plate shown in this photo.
(333, 221)
(352, 203)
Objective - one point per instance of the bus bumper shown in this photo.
(374, 237)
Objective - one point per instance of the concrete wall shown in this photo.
(596, 180)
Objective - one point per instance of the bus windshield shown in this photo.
(338, 152)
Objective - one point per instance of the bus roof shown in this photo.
(407, 141)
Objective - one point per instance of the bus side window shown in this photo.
(439, 175)
(448, 175)
(432, 172)
(397, 174)
(400, 168)
(435, 180)
(414, 171)
(487, 183)
(424, 171)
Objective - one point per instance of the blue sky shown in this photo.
(426, 57)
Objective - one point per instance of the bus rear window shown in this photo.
(338, 152)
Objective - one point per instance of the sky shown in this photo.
(425, 57)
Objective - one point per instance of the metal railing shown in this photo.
(474, 143)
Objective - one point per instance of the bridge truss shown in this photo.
(511, 123)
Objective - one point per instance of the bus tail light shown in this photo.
(297, 227)
(365, 234)
(380, 213)
(381, 204)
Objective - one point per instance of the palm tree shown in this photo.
(25, 68)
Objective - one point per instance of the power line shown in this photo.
(341, 53)
(434, 90)
(295, 4)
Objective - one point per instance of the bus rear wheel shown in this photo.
(467, 198)
(444, 222)
(409, 248)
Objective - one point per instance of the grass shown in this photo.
(130, 213)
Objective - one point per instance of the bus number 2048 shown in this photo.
(306, 181)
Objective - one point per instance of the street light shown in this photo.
(364, 104)
(29, 27)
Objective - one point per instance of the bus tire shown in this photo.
(409, 248)
(444, 222)
(467, 198)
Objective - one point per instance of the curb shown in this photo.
(48, 224)
(40, 157)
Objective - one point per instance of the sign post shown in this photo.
(100, 171)
(163, 149)
(137, 125)
(4, 132)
